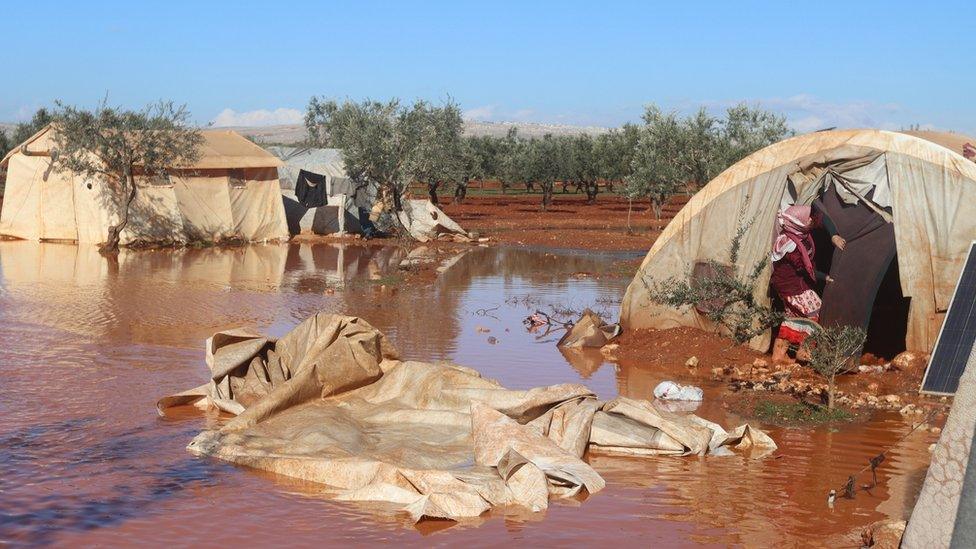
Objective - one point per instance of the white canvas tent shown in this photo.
(231, 191)
(929, 185)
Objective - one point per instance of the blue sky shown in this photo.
(848, 64)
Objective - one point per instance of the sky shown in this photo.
(846, 64)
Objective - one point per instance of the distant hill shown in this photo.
(288, 134)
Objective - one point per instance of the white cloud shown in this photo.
(260, 117)
(479, 114)
(807, 113)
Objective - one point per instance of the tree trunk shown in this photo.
(830, 393)
(111, 245)
(609, 186)
(592, 189)
(432, 193)
(529, 187)
(547, 195)
(657, 205)
(460, 191)
(630, 208)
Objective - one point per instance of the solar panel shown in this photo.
(956, 338)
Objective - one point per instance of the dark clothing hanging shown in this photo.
(858, 270)
(310, 189)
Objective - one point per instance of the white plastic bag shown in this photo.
(669, 390)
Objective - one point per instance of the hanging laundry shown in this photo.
(310, 189)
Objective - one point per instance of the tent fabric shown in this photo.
(331, 402)
(858, 270)
(425, 222)
(933, 196)
(230, 192)
(339, 187)
(589, 331)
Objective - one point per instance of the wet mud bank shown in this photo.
(85, 351)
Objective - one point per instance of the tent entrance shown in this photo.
(866, 290)
(888, 324)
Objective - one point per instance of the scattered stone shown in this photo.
(692, 362)
(717, 372)
(907, 360)
(492, 340)
(908, 409)
(892, 399)
(935, 430)
(870, 369)
(759, 363)
(873, 387)
(931, 447)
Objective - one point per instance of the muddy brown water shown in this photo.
(86, 348)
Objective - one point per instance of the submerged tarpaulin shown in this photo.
(331, 402)
(589, 331)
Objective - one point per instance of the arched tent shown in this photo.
(231, 191)
(929, 190)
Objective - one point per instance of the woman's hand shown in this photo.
(838, 241)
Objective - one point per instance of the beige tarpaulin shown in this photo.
(932, 191)
(330, 402)
(589, 331)
(425, 221)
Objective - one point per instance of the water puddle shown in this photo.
(87, 346)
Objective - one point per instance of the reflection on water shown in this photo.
(87, 345)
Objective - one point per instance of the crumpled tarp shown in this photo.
(589, 331)
(425, 222)
(331, 402)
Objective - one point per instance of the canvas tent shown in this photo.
(922, 189)
(231, 191)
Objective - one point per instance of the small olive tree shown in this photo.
(656, 171)
(832, 351)
(726, 294)
(119, 145)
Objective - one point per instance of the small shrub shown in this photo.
(798, 412)
(724, 296)
(831, 352)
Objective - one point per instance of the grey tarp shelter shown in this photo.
(327, 162)
(929, 186)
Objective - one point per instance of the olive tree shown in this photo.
(118, 145)
(437, 158)
(582, 165)
(376, 139)
(613, 153)
(747, 129)
(656, 170)
(23, 131)
(834, 350)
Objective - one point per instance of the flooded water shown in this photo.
(88, 346)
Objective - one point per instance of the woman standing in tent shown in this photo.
(795, 276)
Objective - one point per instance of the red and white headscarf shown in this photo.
(792, 233)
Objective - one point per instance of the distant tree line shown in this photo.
(393, 145)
